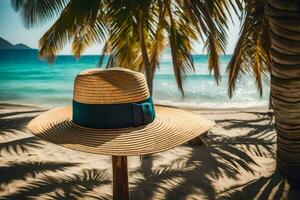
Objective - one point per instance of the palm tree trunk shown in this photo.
(147, 64)
(284, 21)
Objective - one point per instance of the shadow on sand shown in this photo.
(274, 186)
(38, 184)
(12, 124)
(184, 178)
(225, 157)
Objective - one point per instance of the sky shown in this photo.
(13, 30)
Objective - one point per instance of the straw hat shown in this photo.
(113, 114)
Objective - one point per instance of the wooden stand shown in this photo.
(120, 178)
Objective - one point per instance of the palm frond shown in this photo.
(89, 34)
(211, 21)
(79, 21)
(145, 32)
(237, 6)
(126, 23)
(180, 38)
(37, 12)
(252, 52)
(122, 42)
(159, 38)
(216, 38)
(91, 27)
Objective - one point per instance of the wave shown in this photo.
(207, 105)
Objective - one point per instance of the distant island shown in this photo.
(4, 44)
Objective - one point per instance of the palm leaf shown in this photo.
(216, 35)
(126, 26)
(180, 38)
(159, 38)
(122, 42)
(78, 20)
(144, 30)
(37, 12)
(93, 33)
(252, 52)
(211, 21)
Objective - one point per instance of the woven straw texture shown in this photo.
(171, 128)
(111, 86)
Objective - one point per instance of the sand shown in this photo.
(237, 162)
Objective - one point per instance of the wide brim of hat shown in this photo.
(170, 128)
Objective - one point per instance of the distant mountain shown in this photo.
(4, 44)
(21, 46)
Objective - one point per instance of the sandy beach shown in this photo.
(237, 162)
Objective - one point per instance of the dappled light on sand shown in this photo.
(237, 163)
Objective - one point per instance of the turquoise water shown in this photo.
(27, 80)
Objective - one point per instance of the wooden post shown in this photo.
(120, 178)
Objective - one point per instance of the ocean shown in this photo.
(24, 79)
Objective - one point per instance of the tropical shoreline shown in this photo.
(31, 81)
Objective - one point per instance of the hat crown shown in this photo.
(111, 86)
